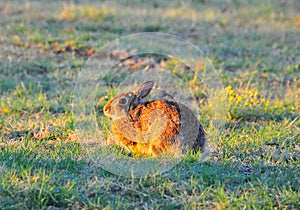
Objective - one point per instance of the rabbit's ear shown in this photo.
(144, 89)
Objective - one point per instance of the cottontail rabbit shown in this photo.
(150, 128)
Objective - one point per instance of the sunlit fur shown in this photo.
(139, 119)
(152, 128)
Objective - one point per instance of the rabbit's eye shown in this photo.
(123, 101)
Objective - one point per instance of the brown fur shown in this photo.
(151, 128)
(139, 119)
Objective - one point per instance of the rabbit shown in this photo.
(189, 137)
(150, 128)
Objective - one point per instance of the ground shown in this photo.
(254, 47)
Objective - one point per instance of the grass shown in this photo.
(253, 162)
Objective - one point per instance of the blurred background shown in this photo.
(254, 47)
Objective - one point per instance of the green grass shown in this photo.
(253, 162)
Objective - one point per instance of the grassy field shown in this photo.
(255, 48)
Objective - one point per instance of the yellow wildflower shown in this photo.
(239, 99)
(250, 93)
(69, 43)
(231, 98)
(228, 88)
